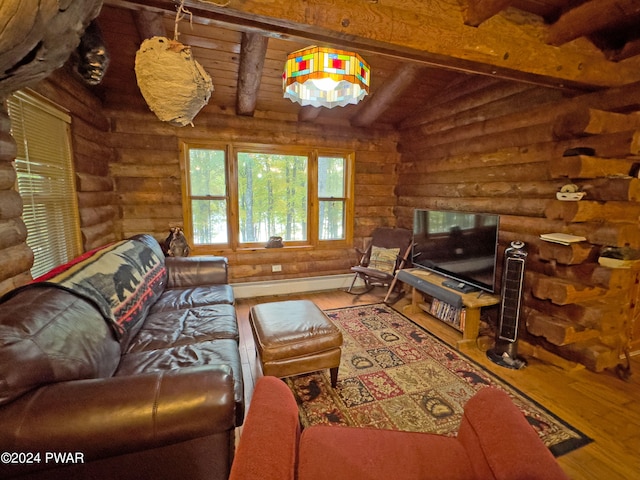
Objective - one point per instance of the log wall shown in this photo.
(96, 199)
(16, 258)
(504, 155)
(496, 149)
(147, 179)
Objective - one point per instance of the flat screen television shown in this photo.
(461, 246)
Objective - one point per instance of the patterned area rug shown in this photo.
(395, 375)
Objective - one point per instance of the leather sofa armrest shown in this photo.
(501, 443)
(196, 271)
(268, 446)
(101, 418)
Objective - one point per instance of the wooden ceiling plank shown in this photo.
(386, 95)
(435, 35)
(253, 52)
(591, 17)
(431, 33)
(477, 11)
(464, 87)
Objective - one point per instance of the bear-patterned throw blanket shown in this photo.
(122, 279)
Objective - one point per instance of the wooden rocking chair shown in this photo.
(388, 251)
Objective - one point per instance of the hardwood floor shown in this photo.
(601, 405)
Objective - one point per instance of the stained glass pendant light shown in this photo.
(325, 77)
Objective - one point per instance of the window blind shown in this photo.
(45, 180)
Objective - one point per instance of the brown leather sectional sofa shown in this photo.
(122, 364)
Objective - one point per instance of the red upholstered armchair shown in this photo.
(494, 442)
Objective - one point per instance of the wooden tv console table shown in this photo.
(424, 282)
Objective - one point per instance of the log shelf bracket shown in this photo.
(608, 216)
(558, 331)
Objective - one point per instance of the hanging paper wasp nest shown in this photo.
(172, 82)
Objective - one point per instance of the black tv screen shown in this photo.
(462, 246)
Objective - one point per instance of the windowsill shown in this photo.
(287, 248)
(265, 249)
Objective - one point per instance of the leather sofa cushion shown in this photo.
(196, 271)
(53, 336)
(212, 352)
(187, 326)
(189, 297)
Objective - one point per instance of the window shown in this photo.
(273, 197)
(240, 196)
(332, 197)
(45, 180)
(208, 196)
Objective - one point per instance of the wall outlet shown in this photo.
(276, 268)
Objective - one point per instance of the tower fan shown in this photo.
(505, 352)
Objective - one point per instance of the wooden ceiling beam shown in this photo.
(591, 17)
(252, 54)
(477, 11)
(430, 32)
(386, 95)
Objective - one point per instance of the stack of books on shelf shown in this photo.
(448, 313)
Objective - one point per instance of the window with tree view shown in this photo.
(242, 196)
(272, 197)
(331, 197)
(208, 196)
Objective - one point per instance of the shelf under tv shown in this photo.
(432, 284)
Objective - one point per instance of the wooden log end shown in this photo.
(536, 351)
(573, 254)
(558, 331)
(564, 292)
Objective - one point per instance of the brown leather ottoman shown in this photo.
(295, 337)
